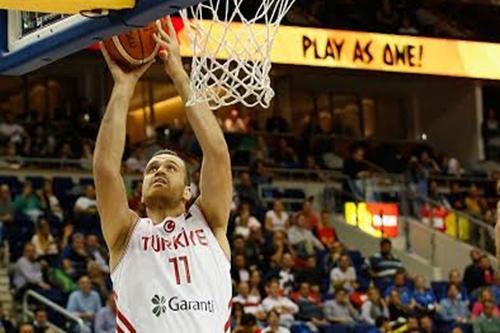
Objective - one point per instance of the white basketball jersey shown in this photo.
(173, 277)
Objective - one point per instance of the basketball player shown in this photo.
(171, 270)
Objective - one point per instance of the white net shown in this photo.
(232, 42)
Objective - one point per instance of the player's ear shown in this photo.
(187, 195)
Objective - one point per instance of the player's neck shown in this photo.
(159, 214)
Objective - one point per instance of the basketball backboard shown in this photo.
(31, 40)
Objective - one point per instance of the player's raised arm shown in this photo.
(116, 217)
(215, 178)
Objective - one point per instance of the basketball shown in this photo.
(135, 47)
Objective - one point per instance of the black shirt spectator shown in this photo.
(473, 275)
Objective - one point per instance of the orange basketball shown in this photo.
(133, 48)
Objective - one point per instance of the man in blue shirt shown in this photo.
(423, 296)
(405, 293)
(105, 319)
(84, 302)
(453, 308)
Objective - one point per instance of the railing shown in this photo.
(27, 312)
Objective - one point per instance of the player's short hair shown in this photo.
(187, 179)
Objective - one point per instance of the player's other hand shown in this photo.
(170, 52)
(120, 76)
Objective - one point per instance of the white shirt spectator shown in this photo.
(251, 303)
(277, 222)
(44, 247)
(85, 203)
(337, 275)
(244, 231)
(278, 303)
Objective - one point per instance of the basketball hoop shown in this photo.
(231, 60)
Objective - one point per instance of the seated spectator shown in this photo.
(374, 307)
(251, 303)
(84, 302)
(285, 307)
(256, 285)
(311, 274)
(28, 272)
(239, 270)
(86, 208)
(311, 216)
(285, 156)
(248, 324)
(475, 203)
(274, 251)
(384, 265)
(5, 322)
(98, 279)
(485, 295)
(97, 252)
(331, 259)
(75, 257)
(302, 240)
(455, 277)
(245, 221)
(273, 323)
(325, 231)
(277, 218)
(452, 308)
(397, 309)
(310, 310)
(105, 318)
(495, 289)
(426, 324)
(488, 321)
(43, 241)
(6, 208)
(285, 273)
(343, 276)
(339, 310)
(424, 296)
(50, 201)
(41, 321)
(487, 274)
(29, 202)
(405, 293)
(245, 191)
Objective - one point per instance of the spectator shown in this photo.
(277, 218)
(11, 130)
(310, 311)
(344, 275)
(29, 203)
(105, 318)
(86, 204)
(426, 324)
(487, 274)
(248, 324)
(285, 156)
(246, 192)
(485, 295)
(43, 241)
(473, 275)
(98, 279)
(331, 260)
(50, 201)
(245, 221)
(251, 303)
(234, 123)
(28, 272)
(286, 308)
(87, 155)
(339, 310)
(97, 252)
(384, 265)
(6, 207)
(453, 308)
(84, 302)
(474, 202)
(403, 290)
(75, 257)
(456, 198)
(239, 270)
(5, 322)
(325, 231)
(374, 307)
(397, 309)
(312, 217)
(424, 296)
(488, 321)
(273, 322)
(41, 322)
(302, 239)
(311, 274)
(357, 171)
(256, 285)
(495, 289)
(454, 277)
(285, 274)
(135, 200)
(137, 161)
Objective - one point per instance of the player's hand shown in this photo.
(170, 52)
(119, 75)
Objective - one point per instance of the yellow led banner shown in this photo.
(66, 6)
(380, 52)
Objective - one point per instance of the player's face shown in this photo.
(164, 180)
